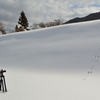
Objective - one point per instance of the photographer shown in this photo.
(2, 81)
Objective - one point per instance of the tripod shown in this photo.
(3, 84)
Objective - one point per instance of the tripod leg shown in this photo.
(0, 86)
(4, 83)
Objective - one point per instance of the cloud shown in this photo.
(45, 10)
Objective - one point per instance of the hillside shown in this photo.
(90, 17)
(57, 63)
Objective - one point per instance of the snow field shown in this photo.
(57, 63)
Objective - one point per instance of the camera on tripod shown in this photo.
(2, 71)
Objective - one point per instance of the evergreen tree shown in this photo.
(23, 20)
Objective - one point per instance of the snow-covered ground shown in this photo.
(57, 63)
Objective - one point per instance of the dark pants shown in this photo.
(0, 84)
(3, 84)
(0, 87)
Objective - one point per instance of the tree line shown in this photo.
(24, 25)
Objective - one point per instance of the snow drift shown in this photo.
(58, 63)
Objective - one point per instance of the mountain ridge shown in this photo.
(90, 17)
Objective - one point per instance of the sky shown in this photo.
(38, 11)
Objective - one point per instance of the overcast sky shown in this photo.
(38, 11)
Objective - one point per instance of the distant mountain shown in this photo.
(93, 16)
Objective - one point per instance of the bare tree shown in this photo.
(2, 27)
(59, 21)
(56, 22)
(50, 24)
(41, 25)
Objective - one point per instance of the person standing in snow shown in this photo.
(2, 81)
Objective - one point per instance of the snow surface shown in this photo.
(57, 63)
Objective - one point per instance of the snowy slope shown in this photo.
(58, 63)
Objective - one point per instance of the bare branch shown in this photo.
(2, 25)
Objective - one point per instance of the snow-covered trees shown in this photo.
(19, 28)
(2, 27)
(49, 24)
(34, 26)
